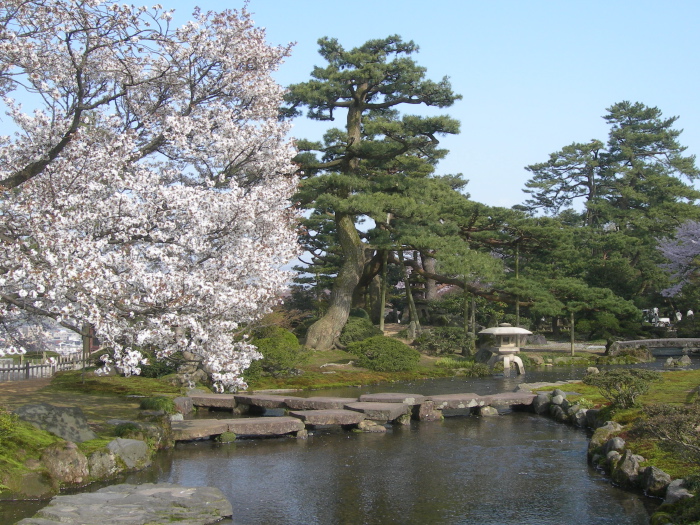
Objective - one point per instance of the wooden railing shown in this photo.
(38, 369)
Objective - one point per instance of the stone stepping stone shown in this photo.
(329, 417)
(198, 428)
(265, 426)
(408, 399)
(213, 400)
(261, 400)
(318, 403)
(507, 399)
(380, 411)
(456, 401)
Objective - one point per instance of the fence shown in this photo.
(36, 370)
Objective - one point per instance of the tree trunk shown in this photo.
(382, 293)
(572, 334)
(323, 333)
(429, 265)
(414, 325)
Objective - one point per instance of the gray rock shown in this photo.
(626, 470)
(592, 417)
(592, 370)
(654, 481)
(487, 411)
(676, 492)
(371, 426)
(65, 463)
(603, 434)
(155, 504)
(612, 457)
(685, 360)
(580, 418)
(557, 413)
(616, 443)
(541, 403)
(102, 464)
(183, 405)
(68, 423)
(427, 412)
(558, 392)
(558, 399)
(133, 452)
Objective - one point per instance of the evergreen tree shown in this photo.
(376, 149)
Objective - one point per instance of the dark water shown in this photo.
(517, 468)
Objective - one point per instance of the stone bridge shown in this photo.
(687, 344)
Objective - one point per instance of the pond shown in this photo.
(517, 468)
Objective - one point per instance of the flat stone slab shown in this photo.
(380, 411)
(318, 403)
(265, 426)
(213, 400)
(508, 399)
(198, 428)
(155, 504)
(408, 399)
(261, 400)
(456, 401)
(329, 417)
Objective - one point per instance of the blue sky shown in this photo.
(535, 75)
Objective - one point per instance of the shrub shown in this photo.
(467, 367)
(358, 329)
(674, 426)
(384, 354)
(628, 356)
(359, 312)
(622, 386)
(8, 422)
(281, 352)
(444, 340)
(159, 367)
(165, 404)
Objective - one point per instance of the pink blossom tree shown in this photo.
(146, 189)
(683, 255)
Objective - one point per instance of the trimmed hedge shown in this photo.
(358, 329)
(281, 352)
(384, 354)
(444, 340)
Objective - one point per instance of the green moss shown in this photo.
(93, 445)
(165, 404)
(110, 385)
(25, 443)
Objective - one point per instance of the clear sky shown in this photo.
(535, 75)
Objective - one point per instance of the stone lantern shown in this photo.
(507, 346)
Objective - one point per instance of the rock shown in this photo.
(580, 418)
(592, 370)
(626, 470)
(483, 355)
(685, 361)
(155, 504)
(676, 492)
(65, 463)
(177, 417)
(68, 423)
(592, 417)
(133, 452)
(535, 339)
(654, 481)
(541, 403)
(31, 485)
(102, 464)
(557, 413)
(184, 405)
(616, 443)
(558, 392)
(371, 426)
(427, 412)
(612, 458)
(602, 434)
(487, 411)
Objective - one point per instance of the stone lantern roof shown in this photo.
(505, 329)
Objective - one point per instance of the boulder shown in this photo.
(68, 423)
(155, 504)
(602, 435)
(65, 463)
(654, 481)
(184, 404)
(427, 412)
(133, 452)
(487, 411)
(617, 444)
(371, 426)
(626, 470)
(592, 370)
(541, 403)
(102, 464)
(557, 413)
(592, 417)
(580, 418)
(676, 492)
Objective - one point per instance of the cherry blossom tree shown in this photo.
(145, 192)
(683, 255)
